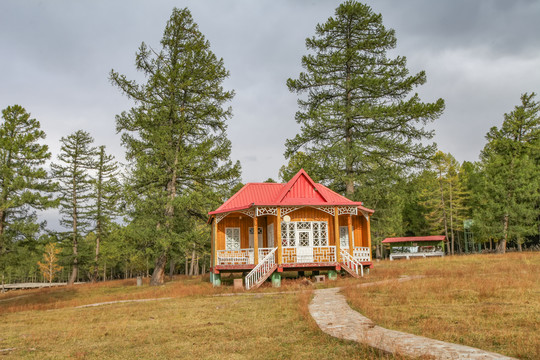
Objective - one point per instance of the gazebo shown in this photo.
(415, 246)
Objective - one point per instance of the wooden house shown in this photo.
(415, 246)
(268, 228)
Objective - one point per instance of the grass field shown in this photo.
(487, 301)
(193, 324)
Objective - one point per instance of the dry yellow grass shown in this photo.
(194, 324)
(487, 301)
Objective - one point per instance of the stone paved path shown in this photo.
(330, 310)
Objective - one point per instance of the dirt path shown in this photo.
(330, 310)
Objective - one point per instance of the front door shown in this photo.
(304, 250)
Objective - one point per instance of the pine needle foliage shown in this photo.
(175, 135)
(76, 159)
(358, 119)
(24, 183)
(510, 163)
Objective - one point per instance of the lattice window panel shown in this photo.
(345, 210)
(232, 238)
(303, 238)
(326, 209)
(261, 211)
(259, 231)
(303, 225)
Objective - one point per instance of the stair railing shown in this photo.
(266, 265)
(351, 262)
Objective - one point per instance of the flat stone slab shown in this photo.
(335, 317)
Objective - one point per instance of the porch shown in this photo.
(292, 257)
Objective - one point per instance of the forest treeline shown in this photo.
(364, 133)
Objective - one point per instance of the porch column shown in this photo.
(277, 235)
(336, 234)
(214, 242)
(255, 239)
(351, 242)
(369, 235)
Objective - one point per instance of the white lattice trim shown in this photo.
(346, 210)
(249, 212)
(326, 209)
(220, 217)
(289, 209)
(267, 210)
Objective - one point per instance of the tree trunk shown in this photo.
(520, 249)
(171, 269)
(192, 268)
(451, 219)
(451, 250)
(158, 275)
(501, 248)
(186, 266)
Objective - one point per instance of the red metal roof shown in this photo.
(300, 190)
(415, 238)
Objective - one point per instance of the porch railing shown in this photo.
(361, 253)
(265, 251)
(235, 257)
(309, 254)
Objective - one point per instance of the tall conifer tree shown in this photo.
(105, 197)
(359, 123)
(24, 183)
(76, 159)
(175, 134)
(511, 169)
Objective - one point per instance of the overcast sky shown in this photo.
(479, 57)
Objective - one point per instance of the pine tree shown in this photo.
(24, 183)
(359, 124)
(105, 197)
(511, 172)
(76, 159)
(175, 135)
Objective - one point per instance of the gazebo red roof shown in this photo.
(414, 238)
(301, 190)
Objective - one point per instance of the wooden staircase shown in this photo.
(351, 265)
(262, 271)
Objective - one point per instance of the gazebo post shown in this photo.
(351, 241)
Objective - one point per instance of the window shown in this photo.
(232, 238)
(344, 237)
(294, 233)
(259, 237)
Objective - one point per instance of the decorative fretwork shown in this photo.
(235, 257)
(366, 215)
(321, 254)
(361, 254)
(266, 210)
(346, 210)
(249, 212)
(220, 217)
(289, 209)
(326, 209)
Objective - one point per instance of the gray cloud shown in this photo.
(56, 55)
